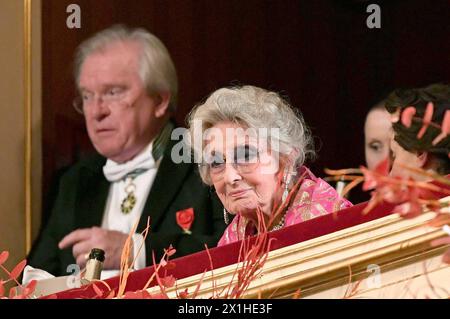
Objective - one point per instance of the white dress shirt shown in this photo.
(113, 218)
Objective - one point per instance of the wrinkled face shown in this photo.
(377, 133)
(120, 116)
(401, 158)
(242, 170)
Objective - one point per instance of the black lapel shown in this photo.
(92, 192)
(168, 180)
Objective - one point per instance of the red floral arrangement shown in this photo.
(19, 292)
(411, 197)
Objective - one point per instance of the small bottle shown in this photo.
(94, 265)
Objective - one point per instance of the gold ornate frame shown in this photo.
(28, 115)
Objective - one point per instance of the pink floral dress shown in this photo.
(314, 198)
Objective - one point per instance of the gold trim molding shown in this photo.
(322, 266)
(28, 115)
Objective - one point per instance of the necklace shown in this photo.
(280, 224)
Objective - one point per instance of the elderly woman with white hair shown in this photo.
(252, 146)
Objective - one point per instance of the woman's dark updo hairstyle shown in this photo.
(406, 137)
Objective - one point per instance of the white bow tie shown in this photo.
(143, 162)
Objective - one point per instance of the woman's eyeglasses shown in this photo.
(245, 160)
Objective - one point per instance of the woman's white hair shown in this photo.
(254, 108)
(157, 69)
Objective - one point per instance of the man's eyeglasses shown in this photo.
(245, 160)
(86, 99)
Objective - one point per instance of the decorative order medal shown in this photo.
(129, 201)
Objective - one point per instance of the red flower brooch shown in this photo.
(185, 218)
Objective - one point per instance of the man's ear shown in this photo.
(423, 159)
(162, 104)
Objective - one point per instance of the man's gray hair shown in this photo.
(157, 69)
(255, 108)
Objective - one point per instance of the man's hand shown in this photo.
(83, 240)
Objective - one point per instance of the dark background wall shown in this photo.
(319, 53)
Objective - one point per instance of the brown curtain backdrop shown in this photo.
(319, 53)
